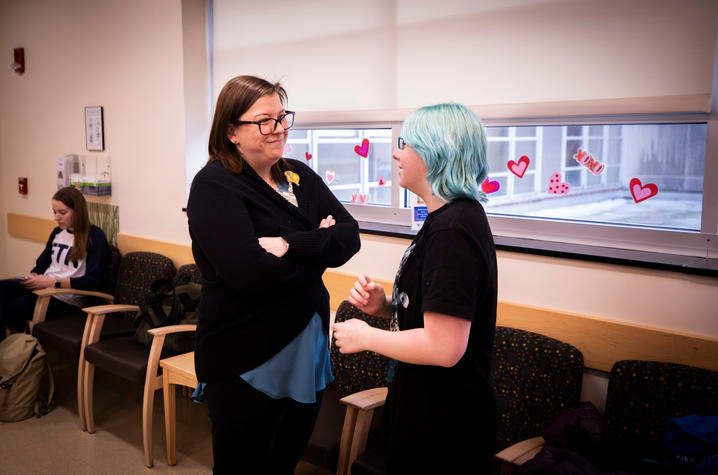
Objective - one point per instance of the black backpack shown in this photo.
(168, 305)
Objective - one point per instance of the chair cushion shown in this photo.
(138, 270)
(643, 395)
(65, 333)
(363, 370)
(536, 377)
(124, 356)
(186, 274)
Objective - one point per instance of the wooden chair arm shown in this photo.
(112, 308)
(44, 296)
(357, 422)
(92, 293)
(519, 453)
(171, 329)
(367, 399)
(152, 379)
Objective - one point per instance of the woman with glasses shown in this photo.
(263, 231)
(440, 414)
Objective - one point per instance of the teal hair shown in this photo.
(451, 141)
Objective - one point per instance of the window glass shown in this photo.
(634, 174)
(355, 164)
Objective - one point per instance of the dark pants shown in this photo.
(17, 305)
(253, 433)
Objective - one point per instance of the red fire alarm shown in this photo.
(22, 185)
(19, 65)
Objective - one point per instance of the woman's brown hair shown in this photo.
(236, 97)
(74, 200)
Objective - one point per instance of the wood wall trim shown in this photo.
(603, 342)
(179, 253)
(29, 227)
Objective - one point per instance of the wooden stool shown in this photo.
(175, 370)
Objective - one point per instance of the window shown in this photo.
(356, 164)
(628, 174)
(609, 182)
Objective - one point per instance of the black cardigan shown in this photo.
(254, 303)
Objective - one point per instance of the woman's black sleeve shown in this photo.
(95, 262)
(221, 228)
(45, 259)
(326, 247)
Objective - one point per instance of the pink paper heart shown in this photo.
(642, 192)
(519, 168)
(364, 149)
(556, 186)
(490, 186)
(308, 155)
(329, 175)
(287, 149)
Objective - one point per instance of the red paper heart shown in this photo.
(519, 168)
(490, 186)
(642, 192)
(364, 149)
(308, 155)
(381, 181)
(556, 186)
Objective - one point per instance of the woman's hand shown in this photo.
(369, 297)
(327, 222)
(351, 336)
(274, 245)
(35, 282)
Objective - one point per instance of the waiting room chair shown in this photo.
(129, 359)
(643, 395)
(352, 373)
(535, 378)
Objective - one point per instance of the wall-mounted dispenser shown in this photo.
(66, 167)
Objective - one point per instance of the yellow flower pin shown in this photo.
(293, 177)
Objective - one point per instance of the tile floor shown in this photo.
(54, 444)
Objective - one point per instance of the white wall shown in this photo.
(386, 54)
(126, 56)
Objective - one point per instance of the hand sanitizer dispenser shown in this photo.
(66, 166)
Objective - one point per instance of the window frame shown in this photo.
(701, 244)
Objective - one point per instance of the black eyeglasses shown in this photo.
(400, 143)
(269, 125)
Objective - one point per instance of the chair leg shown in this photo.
(170, 421)
(148, 401)
(81, 393)
(88, 383)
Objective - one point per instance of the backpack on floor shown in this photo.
(23, 365)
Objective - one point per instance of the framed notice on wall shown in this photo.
(94, 129)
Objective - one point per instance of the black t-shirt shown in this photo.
(451, 269)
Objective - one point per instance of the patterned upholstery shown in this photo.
(643, 395)
(138, 270)
(536, 377)
(352, 373)
(358, 371)
(188, 273)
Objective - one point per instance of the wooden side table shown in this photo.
(175, 370)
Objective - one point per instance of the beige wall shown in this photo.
(409, 53)
(126, 56)
(130, 57)
(672, 300)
